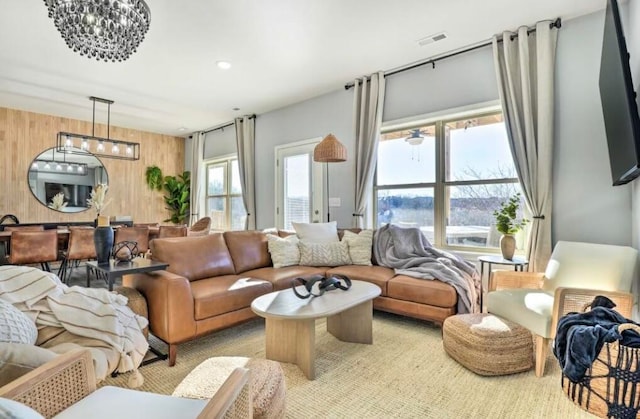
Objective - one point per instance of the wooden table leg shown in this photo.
(353, 325)
(292, 341)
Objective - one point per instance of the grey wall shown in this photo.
(586, 207)
(463, 80)
(220, 142)
(317, 117)
(456, 82)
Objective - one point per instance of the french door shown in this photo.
(299, 185)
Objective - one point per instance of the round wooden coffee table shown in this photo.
(290, 321)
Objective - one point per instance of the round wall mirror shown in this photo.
(64, 181)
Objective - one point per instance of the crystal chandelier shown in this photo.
(109, 30)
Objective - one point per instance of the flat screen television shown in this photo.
(619, 107)
(74, 195)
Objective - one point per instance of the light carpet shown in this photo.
(404, 374)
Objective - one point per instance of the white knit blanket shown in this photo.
(92, 313)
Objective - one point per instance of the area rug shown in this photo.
(404, 374)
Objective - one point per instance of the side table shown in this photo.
(517, 262)
(116, 269)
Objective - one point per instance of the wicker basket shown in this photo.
(611, 386)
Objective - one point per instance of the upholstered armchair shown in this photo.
(575, 274)
(65, 388)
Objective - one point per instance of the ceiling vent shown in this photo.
(432, 38)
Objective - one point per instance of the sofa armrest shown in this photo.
(56, 385)
(567, 300)
(170, 304)
(499, 280)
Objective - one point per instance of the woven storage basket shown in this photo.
(487, 344)
(611, 386)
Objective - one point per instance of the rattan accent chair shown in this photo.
(65, 388)
(575, 274)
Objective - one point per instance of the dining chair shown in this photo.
(31, 247)
(6, 245)
(80, 247)
(140, 235)
(172, 231)
(200, 227)
(576, 273)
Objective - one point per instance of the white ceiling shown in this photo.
(282, 52)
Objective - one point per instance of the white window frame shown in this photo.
(218, 161)
(440, 119)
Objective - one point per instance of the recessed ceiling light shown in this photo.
(182, 129)
(224, 65)
(235, 109)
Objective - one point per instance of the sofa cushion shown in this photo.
(282, 278)
(360, 246)
(248, 249)
(13, 409)
(425, 291)
(15, 326)
(324, 254)
(284, 250)
(17, 359)
(194, 257)
(378, 275)
(110, 402)
(223, 294)
(317, 232)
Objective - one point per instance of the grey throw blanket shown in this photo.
(408, 252)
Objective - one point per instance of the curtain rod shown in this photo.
(227, 125)
(555, 24)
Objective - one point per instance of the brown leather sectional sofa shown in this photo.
(212, 280)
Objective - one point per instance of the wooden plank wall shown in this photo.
(24, 135)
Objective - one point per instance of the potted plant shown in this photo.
(154, 178)
(178, 196)
(508, 224)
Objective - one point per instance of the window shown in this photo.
(224, 195)
(447, 178)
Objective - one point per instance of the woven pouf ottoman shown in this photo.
(268, 386)
(487, 344)
(136, 302)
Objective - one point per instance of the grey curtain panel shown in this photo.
(525, 72)
(246, 143)
(368, 103)
(197, 177)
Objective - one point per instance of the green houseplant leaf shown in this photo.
(178, 195)
(507, 221)
(154, 178)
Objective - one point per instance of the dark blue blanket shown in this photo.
(581, 336)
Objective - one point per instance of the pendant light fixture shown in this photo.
(67, 142)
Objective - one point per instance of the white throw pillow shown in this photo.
(359, 246)
(15, 326)
(324, 254)
(317, 232)
(284, 250)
